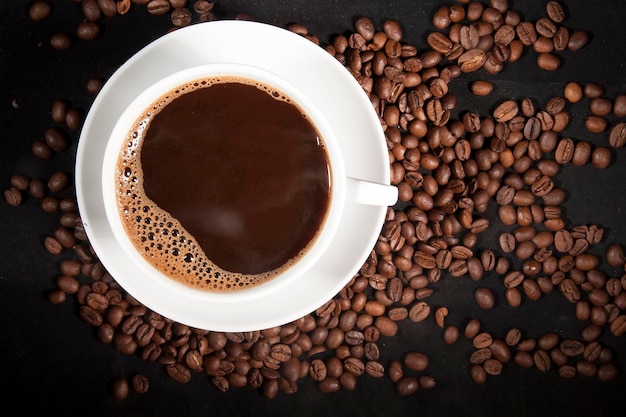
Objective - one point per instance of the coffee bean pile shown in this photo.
(449, 170)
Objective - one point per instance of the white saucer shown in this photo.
(317, 74)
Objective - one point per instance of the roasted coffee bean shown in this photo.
(450, 334)
(555, 11)
(329, 385)
(94, 85)
(41, 149)
(440, 315)
(415, 361)
(558, 357)
(573, 92)
(61, 41)
(578, 40)
(90, 316)
(386, 326)
(595, 124)
(53, 245)
(619, 105)
(513, 297)
(478, 374)
(484, 298)
(513, 337)
(392, 29)
(88, 31)
(58, 181)
(614, 255)
(407, 385)
(500, 350)
(59, 110)
(179, 373)
(618, 326)
(158, 7)
(13, 196)
(472, 60)
(564, 151)
(480, 356)
(586, 368)
(526, 33)
(505, 111)
(120, 388)
(481, 88)
(56, 296)
(91, 10)
(601, 157)
(601, 106)
(180, 16)
(472, 328)
(617, 136)
(39, 10)
(582, 153)
(593, 90)
(548, 341)
(140, 383)
(524, 359)
(439, 42)
(74, 118)
(572, 347)
(607, 372)
(507, 242)
(548, 61)
(365, 27)
(108, 7)
(354, 366)
(56, 138)
(395, 371)
(317, 370)
(542, 360)
(492, 366)
(65, 236)
(482, 340)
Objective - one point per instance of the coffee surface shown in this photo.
(223, 184)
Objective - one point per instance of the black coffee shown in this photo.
(223, 183)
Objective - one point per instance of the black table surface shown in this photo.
(52, 361)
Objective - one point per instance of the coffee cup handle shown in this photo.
(371, 193)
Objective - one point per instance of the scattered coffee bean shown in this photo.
(573, 92)
(481, 88)
(484, 298)
(181, 16)
(88, 31)
(58, 181)
(39, 10)
(158, 7)
(548, 61)
(94, 84)
(120, 388)
(416, 361)
(59, 110)
(601, 157)
(13, 196)
(61, 41)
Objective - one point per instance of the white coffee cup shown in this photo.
(342, 187)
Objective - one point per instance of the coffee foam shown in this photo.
(156, 234)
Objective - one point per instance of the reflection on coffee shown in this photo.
(223, 183)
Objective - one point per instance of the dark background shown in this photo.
(51, 361)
